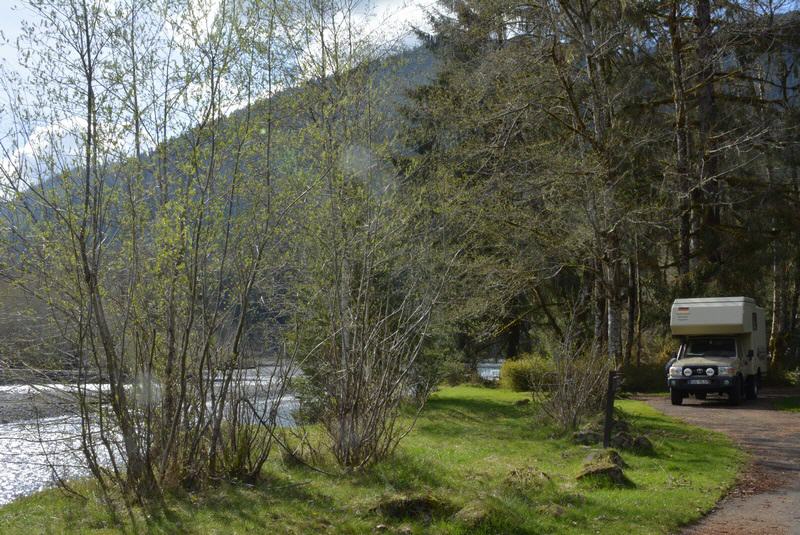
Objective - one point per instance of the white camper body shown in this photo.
(723, 347)
(738, 316)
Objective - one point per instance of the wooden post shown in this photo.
(614, 380)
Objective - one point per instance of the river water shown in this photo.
(40, 439)
(35, 450)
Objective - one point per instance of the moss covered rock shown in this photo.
(605, 468)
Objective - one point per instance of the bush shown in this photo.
(526, 373)
(781, 377)
(310, 401)
(577, 389)
(453, 372)
(650, 377)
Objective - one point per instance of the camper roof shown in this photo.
(712, 316)
(714, 300)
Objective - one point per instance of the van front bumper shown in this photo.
(706, 384)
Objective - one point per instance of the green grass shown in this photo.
(791, 404)
(464, 447)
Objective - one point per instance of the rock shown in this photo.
(586, 437)
(473, 514)
(419, 506)
(604, 473)
(621, 425)
(605, 457)
(381, 527)
(522, 402)
(642, 444)
(622, 440)
(405, 530)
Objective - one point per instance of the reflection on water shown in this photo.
(490, 370)
(32, 452)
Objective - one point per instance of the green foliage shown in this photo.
(311, 401)
(791, 404)
(650, 377)
(452, 372)
(472, 448)
(526, 373)
(782, 377)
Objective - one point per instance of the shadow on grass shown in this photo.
(478, 409)
(401, 472)
(233, 504)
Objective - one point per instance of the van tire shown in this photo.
(676, 396)
(735, 393)
(751, 387)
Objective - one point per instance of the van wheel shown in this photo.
(676, 396)
(735, 393)
(751, 387)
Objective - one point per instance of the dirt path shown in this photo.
(767, 498)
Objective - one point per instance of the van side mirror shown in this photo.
(750, 354)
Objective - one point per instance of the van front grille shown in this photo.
(701, 370)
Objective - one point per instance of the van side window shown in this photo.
(755, 322)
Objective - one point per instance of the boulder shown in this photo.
(604, 467)
(586, 437)
(622, 440)
(605, 457)
(606, 474)
(642, 444)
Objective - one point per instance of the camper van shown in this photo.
(723, 348)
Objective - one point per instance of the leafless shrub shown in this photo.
(575, 388)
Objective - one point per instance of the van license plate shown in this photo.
(699, 382)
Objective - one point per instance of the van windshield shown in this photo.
(710, 347)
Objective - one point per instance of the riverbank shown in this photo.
(476, 463)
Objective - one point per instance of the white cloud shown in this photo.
(35, 156)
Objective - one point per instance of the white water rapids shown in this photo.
(34, 452)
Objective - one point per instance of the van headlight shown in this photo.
(675, 371)
(727, 370)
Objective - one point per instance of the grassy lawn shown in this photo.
(791, 404)
(471, 446)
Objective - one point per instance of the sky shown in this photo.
(390, 20)
(393, 16)
(11, 18)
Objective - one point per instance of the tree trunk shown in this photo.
(707, 195)
(632, 311)
(681, 147)
(599, 312)
(614, 312)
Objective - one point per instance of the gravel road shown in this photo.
(766, 500)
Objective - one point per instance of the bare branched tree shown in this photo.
(150, 225)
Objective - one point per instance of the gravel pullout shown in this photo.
(766, 499)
